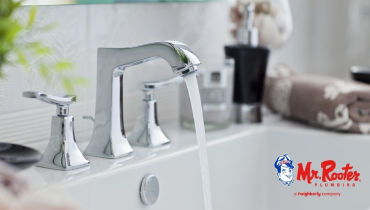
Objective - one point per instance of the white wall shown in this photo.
(297, 52)
(340, 36)
(329, 36)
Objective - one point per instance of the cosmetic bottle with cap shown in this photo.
(250, 68)
(215, 86)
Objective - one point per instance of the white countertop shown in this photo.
(181, 141)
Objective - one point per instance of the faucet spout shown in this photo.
(109, 139)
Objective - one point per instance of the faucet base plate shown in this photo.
(108, 156)
(52, 166)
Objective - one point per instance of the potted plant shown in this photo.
(17, 52)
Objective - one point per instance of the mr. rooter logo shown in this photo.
(327, 176)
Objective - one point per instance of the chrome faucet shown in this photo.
(109, 139)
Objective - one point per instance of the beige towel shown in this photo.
(329, 102)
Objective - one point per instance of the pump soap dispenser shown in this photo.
(250, 68)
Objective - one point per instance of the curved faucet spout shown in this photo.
(180, 57)
(108, 139)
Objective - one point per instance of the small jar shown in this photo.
(215, 81)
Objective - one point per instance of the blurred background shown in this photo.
(328, 38)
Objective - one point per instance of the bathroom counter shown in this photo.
(182, 140)
(241, 163)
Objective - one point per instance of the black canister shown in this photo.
(249, 74)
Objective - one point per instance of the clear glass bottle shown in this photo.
(215, 81)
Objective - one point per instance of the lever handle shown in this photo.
(89, 118)
(157, 85)
(60, 100)
(62, 152)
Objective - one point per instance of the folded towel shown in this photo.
(329, 102)
(10, 181)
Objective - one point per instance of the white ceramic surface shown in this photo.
(241, 166)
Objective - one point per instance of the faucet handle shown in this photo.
(85, 117)
(147, 132)
(148, 88)
(61, 101)
(157, 85)
(62, 152)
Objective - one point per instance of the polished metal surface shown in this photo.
(62, 101)
(247, 113)
(149, 190)
(147, 132)
(157, 85)
(247, 34)
(108, 138)
(62, 152)
(148, 88)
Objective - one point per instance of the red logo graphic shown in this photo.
(328, 174)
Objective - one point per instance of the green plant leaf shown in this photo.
(67, 84)
(81, 81)
(21, 59)
(10, 43)
(61, 66)
(10, 29)
(32, 16)
(43, 69)
(43, 51)
(7, 7)
(50, 27)
(39, 48)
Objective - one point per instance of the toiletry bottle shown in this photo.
(215, 86)
(250, 68)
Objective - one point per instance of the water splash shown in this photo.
(192, 85)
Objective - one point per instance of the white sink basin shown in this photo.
(241, 166)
